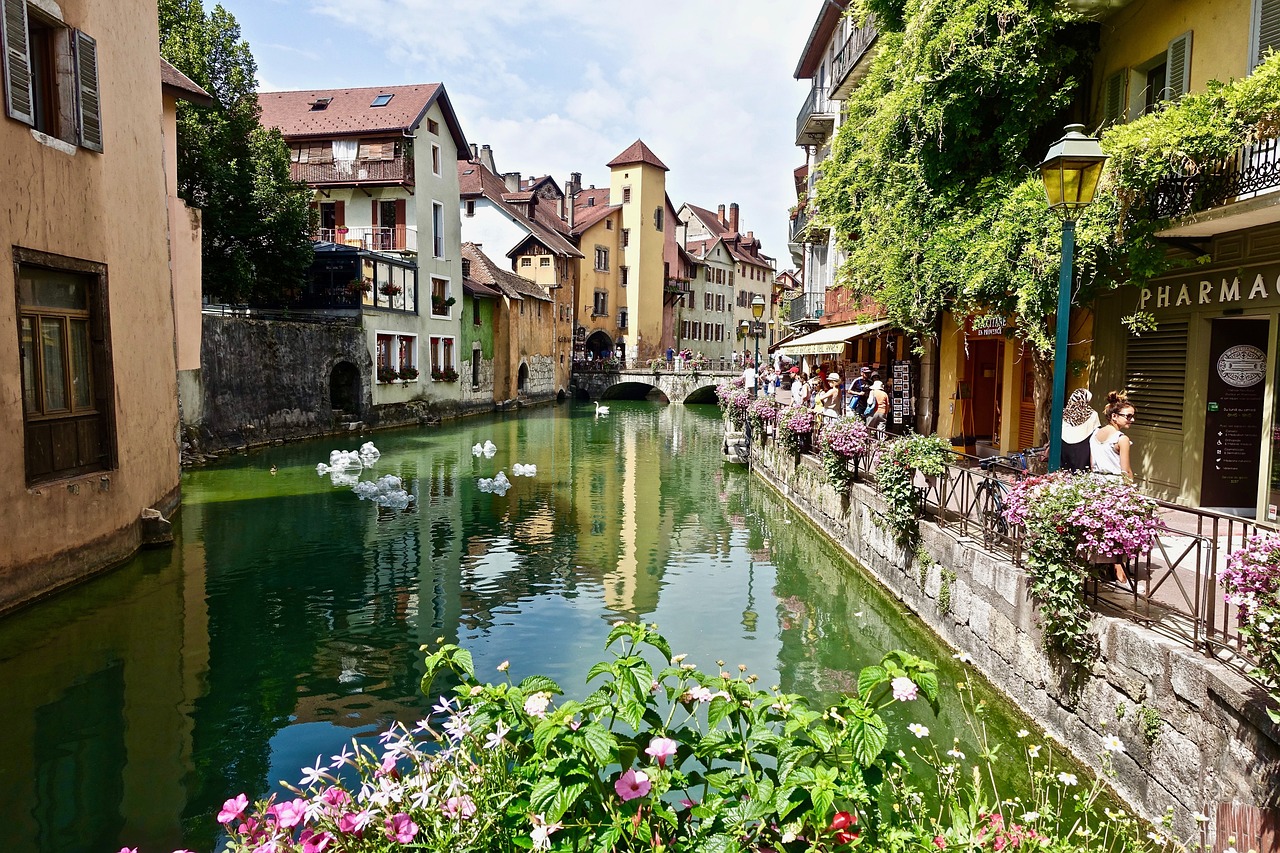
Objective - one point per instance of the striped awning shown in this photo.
(829, 340)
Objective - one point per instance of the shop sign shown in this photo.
(1233, 416)
(1229, 289)
(991, 324)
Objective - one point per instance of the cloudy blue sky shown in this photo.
(564, 85)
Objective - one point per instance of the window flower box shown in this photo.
(390, 289)
(388, 374)
(441, 306)
(408, 374)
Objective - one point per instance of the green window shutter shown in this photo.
(1268, 30)
(18, 99)
(1178, 67)
(88, 104)
(1113, 97)
(1156, 367)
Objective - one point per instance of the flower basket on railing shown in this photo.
(408, 374)
(1252, 583)
(840, 443)
(763, 414)
(359, 287)
(795, 429)
(441, 306)
(388, 374)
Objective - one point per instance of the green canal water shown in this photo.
(287, 617)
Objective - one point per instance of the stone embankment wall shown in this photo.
(1195, 732)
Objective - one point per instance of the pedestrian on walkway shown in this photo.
(829, 399)
(877, 409)
(1079, 422)
(858, 392)
(671, 357)
(749, 379)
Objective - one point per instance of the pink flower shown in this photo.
(940, 842)
(400, 828)
(904, 689)
(289, 815)
(660, 749)
(232, 809)
(463, 807)
(128, 850)
(315, 842)
(353, 823)
(335, 797)
(632, 784)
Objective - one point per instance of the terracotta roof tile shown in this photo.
(600, 196)
(512, 286)
(637, 152)
(590, 216)
(709, 219)
(475, 181)
(183, 86)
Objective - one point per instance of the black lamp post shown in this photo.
(757, 311)
(1071, 171)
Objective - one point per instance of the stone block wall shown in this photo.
(1196, 732)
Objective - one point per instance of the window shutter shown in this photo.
(88, 103)
(1113, 97)
(1178, 67)
(1156, 364)
(1268, 28)
(339, 214)
(18, 99)
(374, 221)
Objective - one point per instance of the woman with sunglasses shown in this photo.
(1109, 452)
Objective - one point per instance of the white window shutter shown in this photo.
(1268, 32)
(88, 102)
(1113, 96)
(1177, 67)
(18, 99)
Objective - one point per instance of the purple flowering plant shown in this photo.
(734, 401)
(841, 442)
(1252, 582)
(795, 424)
(763, 411)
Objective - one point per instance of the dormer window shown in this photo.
(381, 100)
(320, 104)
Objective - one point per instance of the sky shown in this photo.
(560, 86)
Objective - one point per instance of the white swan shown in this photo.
(601, 410)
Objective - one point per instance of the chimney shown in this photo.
(512, 180)
(475, 153)
(466, 267)
(720, 214)
(751, 238)
(486, 159)
(733, 217)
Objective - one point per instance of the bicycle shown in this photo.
(990, 492)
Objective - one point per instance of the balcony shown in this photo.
(398, 170)
(805, 228)
(807, 308)
(1238, 192)
(395, 238)
(853, 60)
(674, 289)
(817, 117)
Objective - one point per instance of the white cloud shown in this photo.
(564, 85)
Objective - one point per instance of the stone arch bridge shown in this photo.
(638, 384)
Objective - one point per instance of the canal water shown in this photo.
(287, 617)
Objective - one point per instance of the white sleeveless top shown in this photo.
(1105, 457)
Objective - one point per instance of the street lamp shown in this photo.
(1071, 171)
(757, 311)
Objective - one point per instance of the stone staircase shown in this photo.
(346, 421)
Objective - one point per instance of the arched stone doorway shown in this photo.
(344, 388)
(599, 345)
(522, 379)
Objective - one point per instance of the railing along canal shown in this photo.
(1174, 589)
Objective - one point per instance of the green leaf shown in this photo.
(543, 795)
(622, 629)
(607, 840)
(462, 661)
(869, 678)
(719, 709)
(566, 795)
(597, 741)
(540, 684)
(720, 844)
(659, 642)
(544, 733)
(868, 735)
(600, 668)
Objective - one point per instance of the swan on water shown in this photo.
(601, 410)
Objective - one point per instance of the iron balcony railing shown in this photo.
(808, 306)
(818, 104)
(395, 238)
(398, 170)
(855, 47)
(1251, 170)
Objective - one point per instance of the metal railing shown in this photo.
(805, 230)
(398, 170)
(808, 306)
(324, 317)
(394, 238)
(854, 48)
(1173, 589)
(1249, 171)
(817, 104)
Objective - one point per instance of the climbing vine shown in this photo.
(895, 479)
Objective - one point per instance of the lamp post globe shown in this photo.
(1071, 172)
(757, 311)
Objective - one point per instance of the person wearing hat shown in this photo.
(1079, 422)
(799, 388)
(877, 410)
(858, 391)
(829, 397)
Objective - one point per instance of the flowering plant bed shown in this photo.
(388, 374)
(1252, 581)
(763, 411)
(895, 477)
(735, 400)
(448, 374)
(795, 428)
(1071, 518)
(840, 443)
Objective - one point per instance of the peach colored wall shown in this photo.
(184, 249)
(108, 208)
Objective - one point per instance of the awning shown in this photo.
(830, 339)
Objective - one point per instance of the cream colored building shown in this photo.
(89, 396)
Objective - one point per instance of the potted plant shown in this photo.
(441, 306)
(408, 374)
(390, 289)
(387, 374)
(450, 375)
(359, 286)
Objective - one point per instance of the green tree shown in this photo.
(257, 221)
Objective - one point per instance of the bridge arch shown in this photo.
(705, 394)
(632, 389)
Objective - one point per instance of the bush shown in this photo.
(841, 442)
(895, 478)
(1252, 581)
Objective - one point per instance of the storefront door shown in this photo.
(1234, 415)
(985, 380)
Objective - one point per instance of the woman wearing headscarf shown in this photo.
(1079, 420)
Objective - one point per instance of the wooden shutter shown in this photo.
(1113, 97)
(339, 214)
(88, 102)
(1268, 29)
(401, 219)
(18, 98)
(374, 221)
(1156, 365)
(1177, 73)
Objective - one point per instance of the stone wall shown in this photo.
(542, 377)
(1213, 743)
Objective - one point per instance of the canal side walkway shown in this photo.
(1196, 733)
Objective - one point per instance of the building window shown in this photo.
(657, 218)
(600, 308)
(475, 368)
(526, 262)
(626, 195)
(475, 310)
(471, 207)
(624, 275)
(66, 367)
(602, 259)
(441, 356)
(51, 76)
(439, 297)
(381, 100)
(544, 262)
(433, 126)
(626, 237)
(706, 273)
(407, 353)
(622, 318)
(608, 225)
(437, 229)
(435, 159)
(731, 278)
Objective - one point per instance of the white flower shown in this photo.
(493, 739)
(1068, 779)
(1023, 733)
(956, 754)
(1200, 817)
(1111, 743)
(1033, 750)
(1030, 816)
(541, 834)
(536, 705)
(963, 657)
(918, 730)
(504, 666)
(312, 775)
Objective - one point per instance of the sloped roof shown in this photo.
(709, 219)
(181, 86)
(512, 286)
(583, 200)
(476, 181)
(823, 27)
(585, 217)
(350, 111)
(477, 288)
(637, 152)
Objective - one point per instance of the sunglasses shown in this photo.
(1129, 417)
